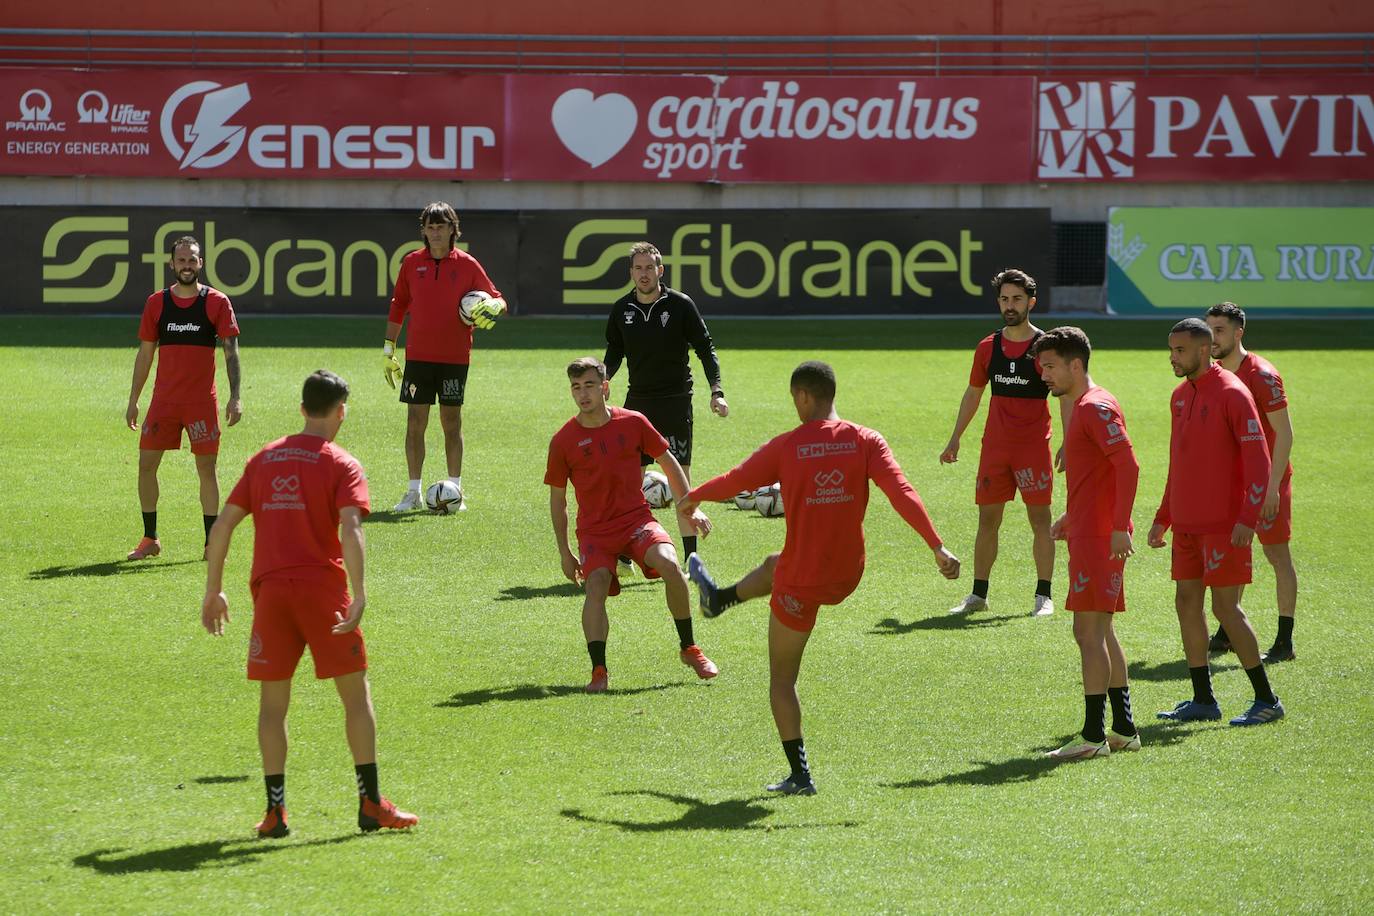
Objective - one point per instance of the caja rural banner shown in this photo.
(733, 262)
(1291, 259)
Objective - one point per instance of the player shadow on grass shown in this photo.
(526, 592)
(891, 626)
(218, 780)
(111, 568)
(1176, 670)
(388, 517)
(485, 695)
(1034, 764)
(193, 856)
(731, 814)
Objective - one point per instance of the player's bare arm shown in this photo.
(558, 512)
(967, 408)
(143, 365)
(677, 482)
(214, 608)
(1065, 412)
(233, 411)
(351, 540)
(1283, 451)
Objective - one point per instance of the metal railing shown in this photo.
(930, 55)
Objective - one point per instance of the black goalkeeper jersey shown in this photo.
(653, 340)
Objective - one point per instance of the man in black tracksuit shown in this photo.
(650, 329)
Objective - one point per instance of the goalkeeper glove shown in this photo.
(391, 369)
(485, 313)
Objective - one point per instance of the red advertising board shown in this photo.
(1233, 128)
(235, 124)
(750, 129)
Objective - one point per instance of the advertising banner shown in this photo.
(547, 262)
(1288, 259)
(843, 130)
(1228, 128)
(243, 124)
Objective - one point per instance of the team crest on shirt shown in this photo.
(1114, 587)
(630, 317)
(663, 319)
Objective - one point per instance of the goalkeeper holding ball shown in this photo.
(431, 283)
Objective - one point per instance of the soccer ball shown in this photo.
(656, 490)
(768, 500)
(744, 500)
(469, 302)
(443, 497)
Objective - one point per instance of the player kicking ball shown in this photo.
(1102, 473)
(302, 491)
(824, 466)
(598, 450)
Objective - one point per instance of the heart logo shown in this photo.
(594, 129)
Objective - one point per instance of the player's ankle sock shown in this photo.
(414, 486)
(1259, 679)
(1285, 637)
(689, 544)
(1122, 721)
(980, 588)
(728, 597)
(796, 758)
(1042, 587)
(684, 632)
(150, 525)
(209, 523)
(1202, 684)
(1094, 715)
(367, 782)
(597, 650)
(457, 481)
(276, 789)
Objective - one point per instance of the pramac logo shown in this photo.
(210, 140)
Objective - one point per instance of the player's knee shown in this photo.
(770, 563)
(599, 580)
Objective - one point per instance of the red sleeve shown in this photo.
(887, 474)
(1127, 478)
(240, 495)
(152, 313)
(982, 359)
(352, 487)
(480, 280)
(400, 299)
(221, 312)
(1267, 387)
(556, 469)
(1254, 452)
(758, 470)
(651, 441)
(1104, 424)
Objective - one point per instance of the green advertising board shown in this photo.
(1289, 259)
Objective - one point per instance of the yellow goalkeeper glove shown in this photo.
(485, 313)
(391, 368)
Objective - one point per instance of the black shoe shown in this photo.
(1278, 653)
(708, 596)
(794, 785)
(1219, 642)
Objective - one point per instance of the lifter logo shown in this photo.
(1087, 130)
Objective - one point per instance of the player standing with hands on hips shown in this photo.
(180, 326)
(303, 491)
(650, 329)
(431, 284)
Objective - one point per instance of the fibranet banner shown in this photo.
(1290, 259)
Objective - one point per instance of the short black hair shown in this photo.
(1017, 278)
(1230, 311)
(584, 364)
(816, 378)
(1068, 341)
(189, 240)
(322, 392)
(1194, 327)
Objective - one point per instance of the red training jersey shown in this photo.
(1218, 459)
(1266, 387)
(1011, 419)
(429, 291)
(294, 489)
(1100, 466)
(186, 335)
(603, 464)
(824, 467)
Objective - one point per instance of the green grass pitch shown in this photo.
(130, 766)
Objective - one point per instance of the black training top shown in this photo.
(653, 341)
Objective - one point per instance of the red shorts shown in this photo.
(798, 613)
(162, 427)
(1005, 469)
(288, 615)
(1211, 558)
(601, 551)
(1279, 529)
(1095, 579)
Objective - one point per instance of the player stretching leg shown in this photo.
(302, 492)
(824, 466)
(598, 450)
(1016, 441)
(1101, 472)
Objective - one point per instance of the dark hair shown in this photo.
(816, 379)
(322, 392)
(1230, 311)
(1068, 341)
(1015, 277)
(440, 212)
(585, 364)
(1194, 327)
(186, 240)
(648, 248)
